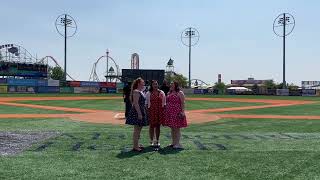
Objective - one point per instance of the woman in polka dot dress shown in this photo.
(137, 115)
(156, 101)
(175, 117)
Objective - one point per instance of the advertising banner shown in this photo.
(112, 90)
(22, 82)
(74, 83)
(21, 89)
(103, 90)
(48, 89)
(3, 89)
(52, 82)
(89, 84)
(197, 91)
(282, 92)
(108, 84)
(308, 92)
(42, 82)
(119, 91)
(188, 91)
(66, 90)
(12, 89)
(3, 81)
(86, 90)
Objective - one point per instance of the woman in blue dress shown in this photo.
(137, 115)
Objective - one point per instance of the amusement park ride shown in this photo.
(112, 74)
(20, 60)
(15, 53)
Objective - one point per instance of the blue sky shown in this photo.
(236, 36)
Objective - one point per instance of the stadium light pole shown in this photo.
(283, 26)
(107, 55)
(63, 22)
(190, 37)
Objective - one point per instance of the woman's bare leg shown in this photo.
(157, 133)
(151, 134)
(173, 136)
(136, 137)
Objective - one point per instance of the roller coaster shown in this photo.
(199, 83)
(111, 74)
(18, 54)
(46, 59)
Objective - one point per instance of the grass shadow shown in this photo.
(169, 150)
(129, 153)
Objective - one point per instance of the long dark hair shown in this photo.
(176, 87)
(151, 87)
(134, 86)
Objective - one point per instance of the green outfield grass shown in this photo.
(316, 98)
(194, 105)
(118, 105)
(114, 104)
(225, 149)
(307, 109)
(309, 98)
(25, 110)
(57, 95)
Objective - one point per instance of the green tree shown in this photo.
(221, 87)
(56, 73)
(280, 86)
(171, 77)
(270, 84)
(292, 87)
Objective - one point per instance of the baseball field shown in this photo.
(53, 136)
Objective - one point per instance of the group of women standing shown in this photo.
(156, 109)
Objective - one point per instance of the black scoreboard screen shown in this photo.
(129, 75)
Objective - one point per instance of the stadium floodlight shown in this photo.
(66, 21)
(190, 37)
(283, 26)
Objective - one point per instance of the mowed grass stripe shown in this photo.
(315, 98)
(60, 95)
(25, 110)
(306, 109)
(114, 104)
(308, 98)
(118, 104)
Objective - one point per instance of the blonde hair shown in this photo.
(134, 86)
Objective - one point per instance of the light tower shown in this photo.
(63, 23)
(190, 37)
(283, 26)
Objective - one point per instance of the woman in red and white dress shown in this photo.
(175, 117)
(156, 101)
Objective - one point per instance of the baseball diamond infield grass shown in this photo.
(25, 110)
(118, 104)
(312, 98)
(306, 109)
(224, 149)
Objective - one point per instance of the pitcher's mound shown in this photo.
(196, 118)
(108, 117)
